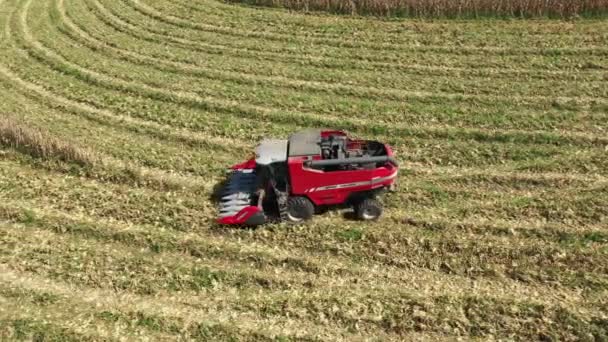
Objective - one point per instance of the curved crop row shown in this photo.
(347, 89)
(212, 104)
(396, 32)
(170, 19)
(183, 68)
(497, 226)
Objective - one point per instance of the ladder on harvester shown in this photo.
(282, 197)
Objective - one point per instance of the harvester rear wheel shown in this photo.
(299, 209)
(368, 209)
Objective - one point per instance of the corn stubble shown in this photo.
(117, 119)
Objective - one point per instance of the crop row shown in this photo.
(539, 32)
(338, 57)
(436, 155)
(496, 228)
(152, 92)
(435, 152)
(317, 308)
(484, 258)
(210, 73)
(203, 26)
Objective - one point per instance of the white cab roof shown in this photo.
(270, 151)
(305, 143)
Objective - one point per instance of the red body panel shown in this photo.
(241, 217)
(334, 187)
(249, 164)
(327, 133)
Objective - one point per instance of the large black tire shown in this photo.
(368, 209)
(299, 209)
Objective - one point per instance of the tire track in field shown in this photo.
(130, 25)
(260, 254)
(119, 121)
(127, 123)
(233, 107)
(396, 217)
(335, 38)
(497, 292)
(541, 28)
(100, 164)
(107, 117)
(324, 62)
(420, 167)
(157, 272)
(581, 210)
(190, 243)
(153, 13)
(94, 114)
(114, 21)
(122, 135)
(320, 283)
(251, 79)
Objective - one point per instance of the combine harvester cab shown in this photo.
(291, 179)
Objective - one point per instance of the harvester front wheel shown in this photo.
(368, 209)
(299, 209)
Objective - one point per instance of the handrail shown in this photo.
(356, 160)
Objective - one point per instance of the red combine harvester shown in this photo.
(313, 169)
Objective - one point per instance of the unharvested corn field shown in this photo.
(118, 118)
(564, 9)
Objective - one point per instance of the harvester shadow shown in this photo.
(345, 210)
(349, 215)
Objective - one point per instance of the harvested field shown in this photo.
(117, 119)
